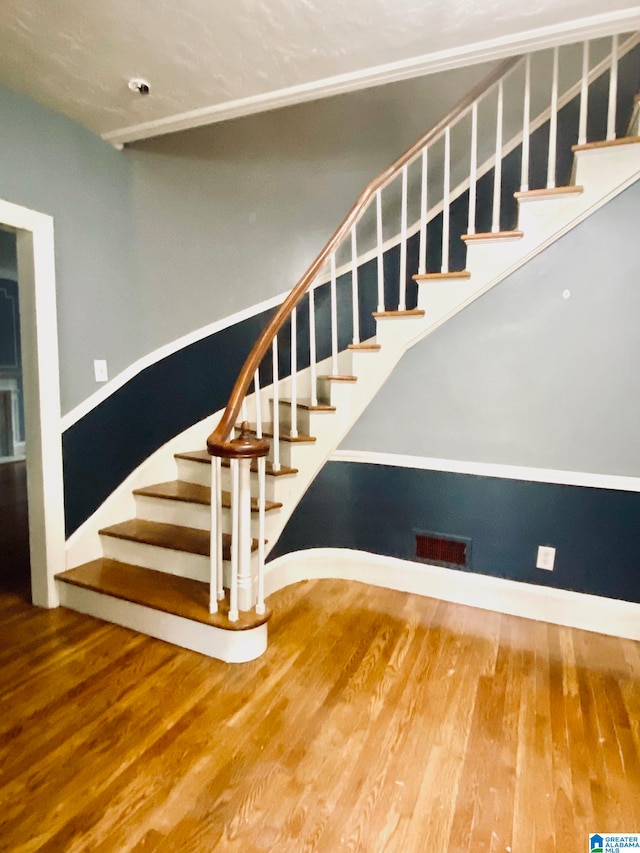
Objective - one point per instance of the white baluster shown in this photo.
(403, 242)
(354, 287)
(215, 576)
(245, 582)
(235, 541)
(526, 122)
(497, 174)
(473, 170)
(218, 525)
(613, 90)
(334, 319)
(446, 200)
(584, 95)
(256, 387)
(294, 373)
(553, 125)
(313, 367)
(422, 256)
(276, 406)
(379, 247)
(243, 410)
(262, 493)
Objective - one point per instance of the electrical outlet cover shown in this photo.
(546, 557)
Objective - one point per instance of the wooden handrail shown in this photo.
(218, 437)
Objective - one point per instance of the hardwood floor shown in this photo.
(376, 721)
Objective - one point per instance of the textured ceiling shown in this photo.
(210, 56)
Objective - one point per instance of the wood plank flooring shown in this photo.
(376, 721)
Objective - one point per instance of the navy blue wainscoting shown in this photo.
(108, 443)
(375, 508)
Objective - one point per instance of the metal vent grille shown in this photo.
(439, 550)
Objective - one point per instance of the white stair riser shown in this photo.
(270, 521)
(338, 394)
(194, 472)
(273, 485)
(397, 332)
(541, 218)
(168, 511)
(228, 646)
(181, 563)
(600, 168)
(197, 472)
(191, 515)
(438, 298)
(291, 453)
(308, 423)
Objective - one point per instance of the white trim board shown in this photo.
(540, 38)
(544, 604)
(491, 469)
(41, 378)
(156, 355)
(228, 646)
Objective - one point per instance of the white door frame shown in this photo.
(41, 383)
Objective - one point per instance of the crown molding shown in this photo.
(540, 38)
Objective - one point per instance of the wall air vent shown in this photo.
(439, 549)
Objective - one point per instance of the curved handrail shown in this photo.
(260, 348)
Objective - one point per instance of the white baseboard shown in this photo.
(545, 604)
(228, 646)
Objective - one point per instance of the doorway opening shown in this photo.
(36, 406)
(14, 509)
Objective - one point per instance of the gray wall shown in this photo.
(50, 164)
(231, 214)
(156, 241)
(525, 377)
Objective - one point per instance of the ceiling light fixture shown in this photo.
(137, 84)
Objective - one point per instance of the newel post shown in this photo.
(240, 451)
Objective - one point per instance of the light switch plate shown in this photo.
(100, 370)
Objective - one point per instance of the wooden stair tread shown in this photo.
(158, 590)
(607, 143)
(307, 405)
(284, 435)
(548, 192)
(493, 235)
(365, 347)
(179, 490)
(334, 378)
(202, 456)
(411, 312)
(435, 276)
(195, 456)
(172, 536)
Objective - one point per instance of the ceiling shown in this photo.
(210, 60)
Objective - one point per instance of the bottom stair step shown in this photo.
(159, 591)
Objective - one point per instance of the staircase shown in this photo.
(189, 568)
